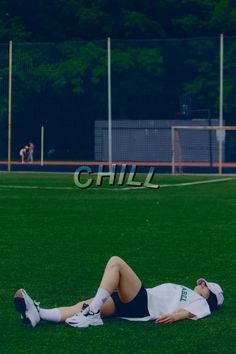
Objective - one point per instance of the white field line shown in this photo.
(198, 182)
(182, 184)
(36, 187)
(116, 189)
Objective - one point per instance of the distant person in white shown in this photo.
(23, 153)
(121, 294)
(31, 152)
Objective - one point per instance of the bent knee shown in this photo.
(115, 261)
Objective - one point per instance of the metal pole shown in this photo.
(221, 78)
(109, 103)
(173, 149)
(42, 146)
(221, 132)
(9, 106)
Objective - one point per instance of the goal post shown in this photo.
(210, 149)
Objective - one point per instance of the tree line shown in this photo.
(62, 20)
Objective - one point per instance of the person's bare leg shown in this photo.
(107, 309)
(68, 311)
(119, 276)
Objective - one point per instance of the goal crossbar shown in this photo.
(204, 127)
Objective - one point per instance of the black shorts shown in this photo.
(137, 308)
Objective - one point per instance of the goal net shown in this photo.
(203, 149)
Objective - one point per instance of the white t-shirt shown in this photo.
(168, 298)
(22, 151)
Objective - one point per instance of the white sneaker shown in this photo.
(85, 318)
(28, 308)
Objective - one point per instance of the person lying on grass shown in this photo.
(121, 294)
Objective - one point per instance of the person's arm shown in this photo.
(176, 316)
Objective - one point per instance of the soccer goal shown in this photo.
(199, 149)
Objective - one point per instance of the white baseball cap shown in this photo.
(215, 289)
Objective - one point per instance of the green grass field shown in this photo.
(55, 240)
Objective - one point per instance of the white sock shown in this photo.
(100, 298)
(53, 315)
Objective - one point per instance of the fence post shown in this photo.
(109, 103)
(42, 145)
(9, 106)
(221, 101)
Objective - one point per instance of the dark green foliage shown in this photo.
(42, 21)
(60, 20)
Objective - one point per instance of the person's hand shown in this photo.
(166, 319)
(176, 316)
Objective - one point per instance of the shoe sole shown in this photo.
(90, 325)
(75, 325)
(20, 306)
(25, 306)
